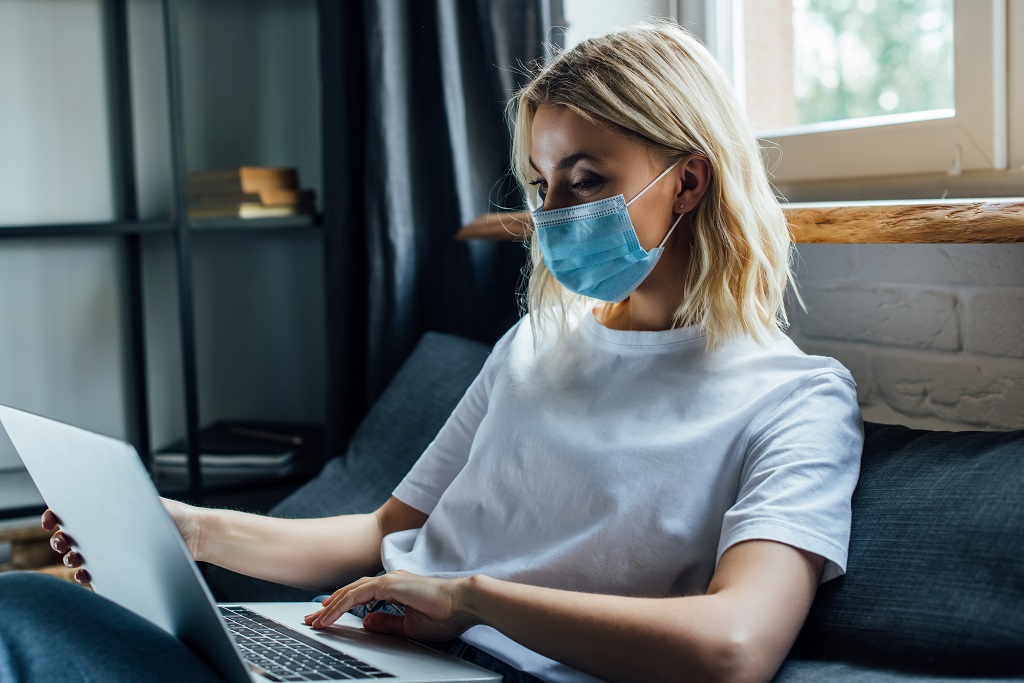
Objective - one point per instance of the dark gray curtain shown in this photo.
(415, 145)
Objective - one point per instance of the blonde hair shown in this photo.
(657, 83)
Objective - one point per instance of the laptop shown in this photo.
(106, 501)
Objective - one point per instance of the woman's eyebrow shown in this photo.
(569, 161)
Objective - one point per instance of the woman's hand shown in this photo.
(434, 609)
(62, 543)
(187, 519)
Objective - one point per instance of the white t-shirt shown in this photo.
(626, 463)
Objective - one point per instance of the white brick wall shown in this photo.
(933, 334)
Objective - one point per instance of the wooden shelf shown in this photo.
(998, 220)
(955, 221)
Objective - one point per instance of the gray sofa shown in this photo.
(934, 590)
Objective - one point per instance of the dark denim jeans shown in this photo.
(51, 630)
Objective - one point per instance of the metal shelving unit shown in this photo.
(132, 229)
(183, 230)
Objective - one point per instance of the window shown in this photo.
(845, 64)
(889, 87)
(845, 89)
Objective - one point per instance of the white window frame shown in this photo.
(972, 137)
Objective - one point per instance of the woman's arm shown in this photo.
(739, 631)
(310, 553)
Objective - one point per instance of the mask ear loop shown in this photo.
(653, 183)
(670, 230)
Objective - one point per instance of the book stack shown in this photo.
(247, 192)
(232, 452)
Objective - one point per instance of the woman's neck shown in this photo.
(635, 313)
(652, 306)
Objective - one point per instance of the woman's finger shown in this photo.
(72, 559)
(334, 597)
(340, 594)
(361, 594)
(341, 591)
(324, 616)
(381, 622)
(50, 520)
(60, 542)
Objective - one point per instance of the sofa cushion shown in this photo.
(935, 576)
(398, 428)
(816, 671)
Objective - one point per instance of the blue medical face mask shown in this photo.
(592, 249)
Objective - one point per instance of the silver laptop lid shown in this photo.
(109, 506)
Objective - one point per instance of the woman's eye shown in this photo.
(587, 184)
(583, 186)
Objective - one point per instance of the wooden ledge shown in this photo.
(955, 221)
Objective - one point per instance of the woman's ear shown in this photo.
(695, 173)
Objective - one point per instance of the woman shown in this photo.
(647, 480)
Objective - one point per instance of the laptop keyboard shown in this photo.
(283, 654)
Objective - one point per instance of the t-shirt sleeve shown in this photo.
(801, 467)
(447, 454)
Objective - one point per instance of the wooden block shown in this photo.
(61, 572)
(33, 554)
(24, 533)
(30, 547)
